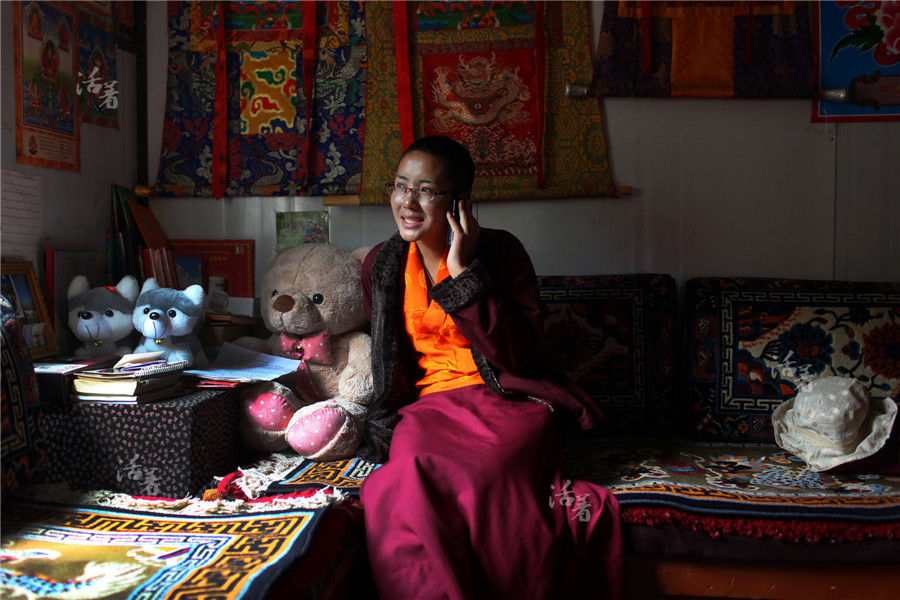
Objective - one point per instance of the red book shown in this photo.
(146, 221)
(232, 260)
(149, 266)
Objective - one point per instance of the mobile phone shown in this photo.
(454, 212)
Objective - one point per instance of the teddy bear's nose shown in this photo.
(154, 315)
(85, 315)
(283, 303)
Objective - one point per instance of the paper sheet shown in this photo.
(21, 218)
(239, 364)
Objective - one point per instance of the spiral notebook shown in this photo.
(136, 366)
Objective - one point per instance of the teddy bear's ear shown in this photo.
(360, 253)
(78, 286)
(128, 287)
(150, 284)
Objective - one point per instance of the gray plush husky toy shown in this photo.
(169, 320)
(101, 317)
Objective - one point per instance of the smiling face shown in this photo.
(419, 220)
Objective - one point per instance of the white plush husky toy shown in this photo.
(101, 317)
(169, 320)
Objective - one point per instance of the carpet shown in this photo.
(52, 550)
(752, 489)
(345, 475)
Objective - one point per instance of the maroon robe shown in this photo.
(470, 502)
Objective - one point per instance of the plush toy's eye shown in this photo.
(109, 313)
(274, 293)
(172, 313)
(318, 298)
(146, 310)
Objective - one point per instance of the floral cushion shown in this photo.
(24, 454)
(614, 335)
(753, 342)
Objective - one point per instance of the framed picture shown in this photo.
(19, 285)
(855, 41)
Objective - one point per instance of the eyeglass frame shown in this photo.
(393, 187)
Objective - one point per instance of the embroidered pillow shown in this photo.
(614, 335)
(753, 342)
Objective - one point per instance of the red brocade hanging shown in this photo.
(491, 75)
(485, 91)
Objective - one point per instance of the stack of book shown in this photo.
(135, 379)
(55, 377)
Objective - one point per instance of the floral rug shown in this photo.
(754, 489)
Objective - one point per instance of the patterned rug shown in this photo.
(757, 490)
(345, 475)
(753, 489)
(96, 552)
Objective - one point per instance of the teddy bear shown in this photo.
(100, 317)
(312, 301)
(169, 320)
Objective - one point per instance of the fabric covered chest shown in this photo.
(170, 449)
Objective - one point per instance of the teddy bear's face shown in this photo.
(313, 287)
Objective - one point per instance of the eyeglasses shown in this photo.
(421, 194)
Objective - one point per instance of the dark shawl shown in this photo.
(494, 303)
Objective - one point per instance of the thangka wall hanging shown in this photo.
(288, 80)
(859, 58)
(48, 120)
(96, 84)
(491, 75)
(720, 49)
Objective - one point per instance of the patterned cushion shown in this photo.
(24, 454)
(615, 336)
(753, 342)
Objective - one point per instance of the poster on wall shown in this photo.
(859, 55)
(295, 228)
(96, 85)
(48, 119)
